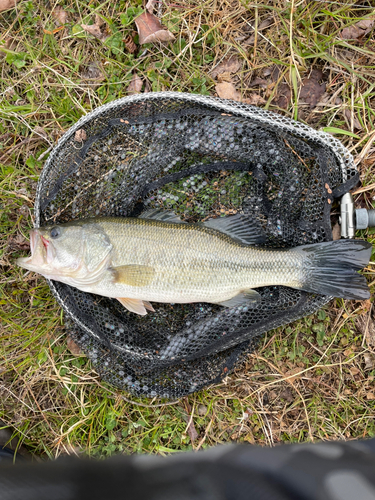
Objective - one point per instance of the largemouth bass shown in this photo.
(158, 258)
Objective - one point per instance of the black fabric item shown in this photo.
(324, 471)
(200, 158)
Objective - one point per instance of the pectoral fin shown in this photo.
(133, 275)
(137, 306)
(248, 298)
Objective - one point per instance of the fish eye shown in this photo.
(55, 232)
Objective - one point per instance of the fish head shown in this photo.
(68, 252)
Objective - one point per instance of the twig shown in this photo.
(298, 156)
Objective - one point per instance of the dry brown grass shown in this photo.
(308, 381)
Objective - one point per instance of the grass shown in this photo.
(311, 380)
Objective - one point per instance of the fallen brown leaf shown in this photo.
(229, 65)
(151, 30)
(358, 30)
(80, 135)
(73, 347)
(202, 410)
(135, 85)
(99, 21)
(7, 4)
(354, 370)
(150, 5)
(369, 360)
(311, 90)
(148, 87)
(259, 82)
(41, 132)
(290, 373)
(188, 417)
(224, 77)
(370, 396)
(227, 90)
(254, 99)
(18, 242)
(287, 395)
(129, 44)
(96, 28)
(356, 124)
(366, 326)
(263, 25)
(283, 96)
(92, 72)
(61, 17)
(336, 232)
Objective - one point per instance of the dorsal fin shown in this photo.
(238, 228)
(162, 215)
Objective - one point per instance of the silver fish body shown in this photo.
(138, 260)
(191, 263)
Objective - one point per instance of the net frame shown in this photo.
(233, 352)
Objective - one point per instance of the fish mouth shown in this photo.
(44, 241)
(38, 259)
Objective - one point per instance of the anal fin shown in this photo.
(245, 298)
(136, 306)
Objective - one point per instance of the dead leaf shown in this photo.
(354, 370)
(41, 132)
(148, 87)
(151, 30)
(96, 28)
(358, 30)
(135, 85)
(259, 82)
(356, 124)
(7, 4)
(188, 417)
(224, 77)
(74, 348)
(229, 65)
(202, 410)
(80, 135)
(366, 326)
(287, 395)
(267, 71)
(263, 25)
(61, 17)
(130, 45)
(311, 90)
(150, 5)
(370, 396)
(283, 96)
(18, 242)
(254, 99)
(336, 232)
(227, 90)
(291, 372)
(92, 72)
(369, 360)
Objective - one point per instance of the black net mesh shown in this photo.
(202, 158)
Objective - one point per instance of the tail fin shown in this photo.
(333, 266)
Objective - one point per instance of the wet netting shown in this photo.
(200, 157)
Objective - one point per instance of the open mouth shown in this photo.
(39, 251)
(44, 241)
